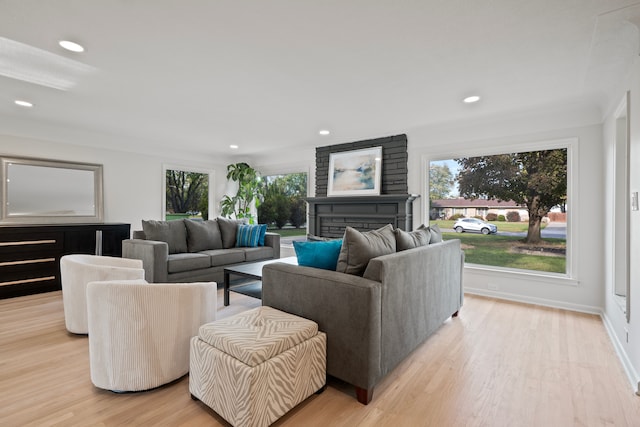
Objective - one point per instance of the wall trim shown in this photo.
(534, 301)
(632, 375)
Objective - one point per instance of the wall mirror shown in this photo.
(621, 208)
(39, 191)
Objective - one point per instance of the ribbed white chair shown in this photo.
(76, 271)
(139, 332)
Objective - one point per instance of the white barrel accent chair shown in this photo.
(77, 270)
(139, 332)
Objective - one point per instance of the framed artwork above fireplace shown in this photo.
(355, 172)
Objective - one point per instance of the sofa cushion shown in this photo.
(187, 262)
(229, 230)
(203, 235)
(412, 239)
(436, 234)
(258, 253)
(225, 256)
(319, 254)
(174, 233)
(249, 236)
(358, 248)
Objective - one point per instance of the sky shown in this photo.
(454, 167)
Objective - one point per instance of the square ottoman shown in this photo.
(254, 367)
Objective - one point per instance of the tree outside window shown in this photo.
(187, 194)
(284, 202)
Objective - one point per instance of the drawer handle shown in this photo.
(28, 261)
(19, 282)
(28, 242)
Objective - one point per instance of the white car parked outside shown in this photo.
(474, 224)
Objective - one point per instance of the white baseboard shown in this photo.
(633, 376)
(535, 301)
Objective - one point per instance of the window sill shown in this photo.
(537, 276)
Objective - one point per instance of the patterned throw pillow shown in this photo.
(249, 236)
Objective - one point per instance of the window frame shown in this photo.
(572, 239)
(210, 172)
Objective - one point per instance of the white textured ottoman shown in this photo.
(254, 367)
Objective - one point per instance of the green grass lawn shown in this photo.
(289, 232)
(498, 251)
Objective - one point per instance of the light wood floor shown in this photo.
(497, 364)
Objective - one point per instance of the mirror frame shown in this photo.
(6, 218)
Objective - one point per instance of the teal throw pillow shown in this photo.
(248, 236)
(318, 254)
(263, 232)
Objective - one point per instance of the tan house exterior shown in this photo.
(446, 208)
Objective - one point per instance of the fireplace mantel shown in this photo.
(329, 216)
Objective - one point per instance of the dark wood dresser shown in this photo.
(30, 254)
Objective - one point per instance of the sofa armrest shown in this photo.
(273, 240)
(154, 256)
(346, 307)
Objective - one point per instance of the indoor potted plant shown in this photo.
(249, 191)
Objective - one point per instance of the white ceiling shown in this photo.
(203, 74)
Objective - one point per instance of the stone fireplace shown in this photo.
(329, 216)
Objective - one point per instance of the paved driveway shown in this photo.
(556, 230)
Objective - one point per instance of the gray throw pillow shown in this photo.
(412, 239)
(174, 233)
(436, 234)
(358, 248)
(203, 235)
(229, 230)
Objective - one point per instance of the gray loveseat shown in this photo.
(193, 251)
(376, 320)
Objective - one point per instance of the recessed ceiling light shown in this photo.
(23, 103)
(234, 147)
(324, 132)
(72, 46)
(471, 99)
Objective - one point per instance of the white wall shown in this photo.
(132, 181)
(615, 320)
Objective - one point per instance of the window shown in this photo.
(523, 194)
(283, 205)
(186, 193)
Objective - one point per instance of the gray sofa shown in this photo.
(376, 320)
(193, 251)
